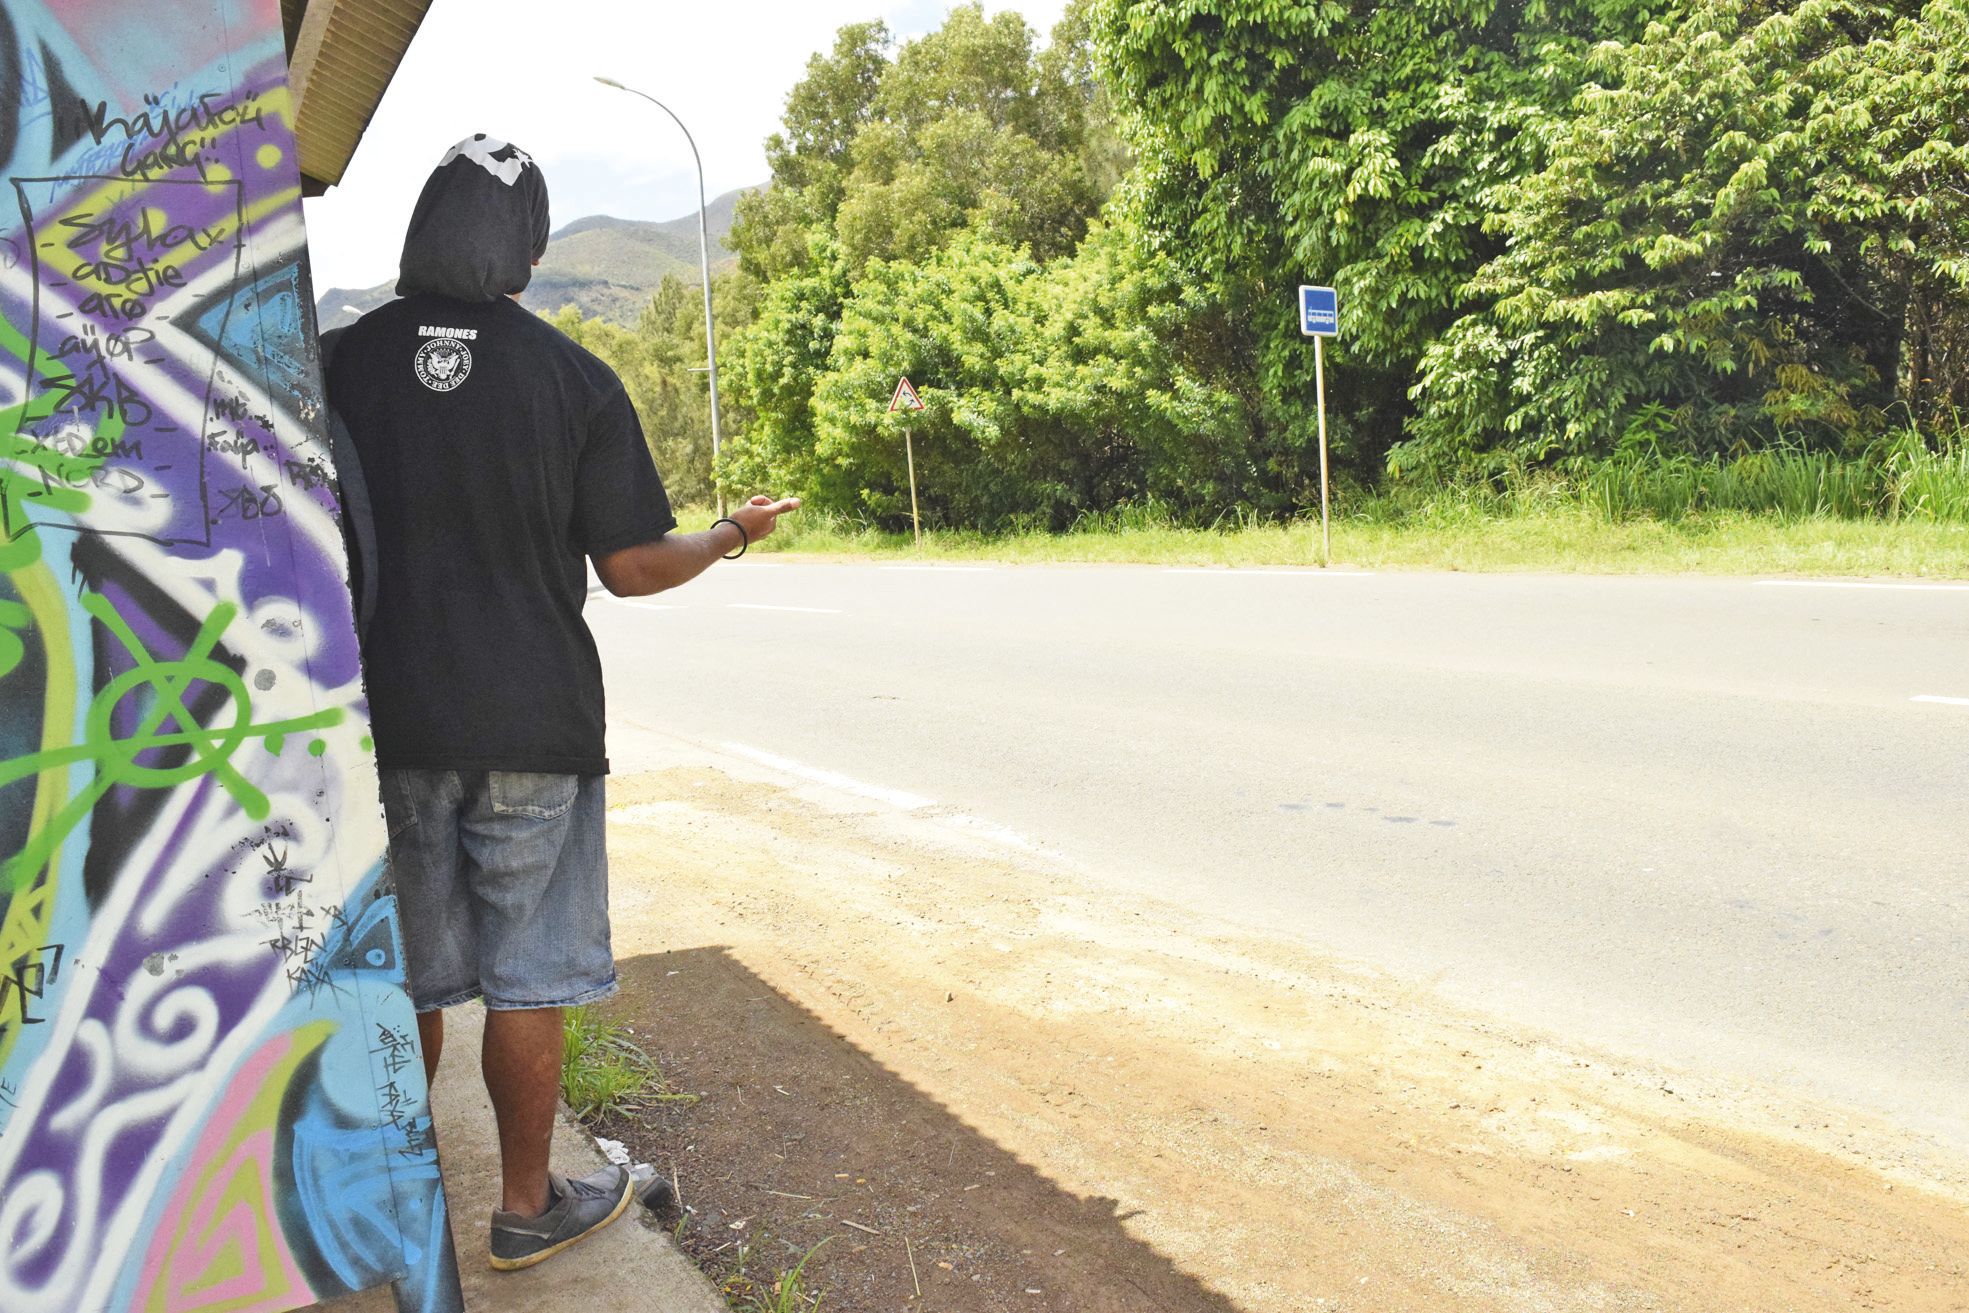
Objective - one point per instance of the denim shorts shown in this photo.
(502, 886)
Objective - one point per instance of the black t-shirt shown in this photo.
(498, 455)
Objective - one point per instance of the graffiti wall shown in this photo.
(210, 1095)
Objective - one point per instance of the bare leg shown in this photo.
(522, 1064)
(430, 1036)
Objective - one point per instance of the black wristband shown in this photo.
(744, 538)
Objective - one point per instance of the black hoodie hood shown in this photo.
(479, 225)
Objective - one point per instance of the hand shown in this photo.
(758, 516)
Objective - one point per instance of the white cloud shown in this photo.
(525, 72)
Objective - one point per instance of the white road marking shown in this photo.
(767, 606)
(1944, 701)
(832, 779)
(991, 830)
(1854, 583)
(1310, 572)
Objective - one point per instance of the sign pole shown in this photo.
(906, 401)
(909, 448)
(1326, 518)
(1319, 319)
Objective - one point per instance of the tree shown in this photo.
(1752, 230)
(777, 361)
(661, 362)
(917, 194)
(1347, 141)
(825, 113)
(1051, 390)
(968, 126)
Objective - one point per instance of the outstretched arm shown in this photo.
(678, 558)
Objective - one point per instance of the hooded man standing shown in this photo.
(499, 458)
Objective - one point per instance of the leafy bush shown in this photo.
(1744, 230)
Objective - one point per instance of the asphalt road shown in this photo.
(1723, 822)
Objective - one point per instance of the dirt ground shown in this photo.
(980, 1075)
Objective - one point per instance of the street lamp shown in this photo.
(704, 267)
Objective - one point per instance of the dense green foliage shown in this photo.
(934, 215)
(1753, 230)
(1658, 253)
(1365, 145)
(969, 128)
(1051, 389)
(661, 362)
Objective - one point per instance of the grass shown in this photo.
(1557, 538)
(732, 1271)
(603, 1072)
(787, 1292)
(1900, 509)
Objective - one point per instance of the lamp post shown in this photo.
(704, 268)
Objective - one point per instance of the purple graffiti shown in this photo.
(199, 961)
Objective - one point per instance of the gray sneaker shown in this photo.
(575, 1210)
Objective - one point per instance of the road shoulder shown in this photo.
(1182, 1102)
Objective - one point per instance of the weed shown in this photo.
(786, 1291)
(602, 1069)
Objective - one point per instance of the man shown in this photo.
(499, 458)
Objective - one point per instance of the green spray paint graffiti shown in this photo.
(119, 760)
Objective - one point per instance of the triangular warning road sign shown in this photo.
(906, 398)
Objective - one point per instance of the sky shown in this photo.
(524, 72)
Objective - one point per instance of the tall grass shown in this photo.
(1929, 483)
(1903, 477)
(1905, 480)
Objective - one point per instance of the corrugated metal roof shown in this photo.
(290, 21)
(341, 57)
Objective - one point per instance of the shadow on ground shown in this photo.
(800, 1137)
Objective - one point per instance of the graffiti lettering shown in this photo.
(92, 474)
(182, 131)
(233, 444)
(104, 305)
(112, 256)
(395, 1052)
(100, 391)
(76, 440)
(139, 277)
(309, 474)
(95, 345)
(123, 238)
(237, 408)
(301, 934)
(27, 981)
(252, 504)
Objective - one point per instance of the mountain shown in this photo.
(604, 266)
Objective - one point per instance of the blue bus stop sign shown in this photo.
(1319, 312)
